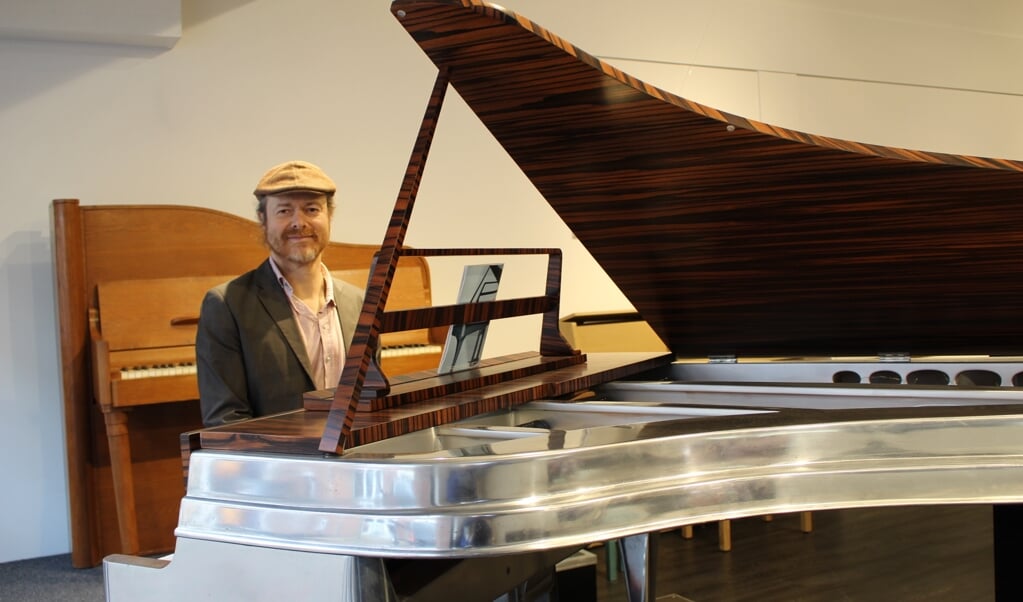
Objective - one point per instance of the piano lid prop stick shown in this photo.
(367, 333)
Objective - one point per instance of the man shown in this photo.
(284, 328)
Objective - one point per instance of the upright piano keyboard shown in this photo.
(734, 239)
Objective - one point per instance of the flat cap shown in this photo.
(293, 176)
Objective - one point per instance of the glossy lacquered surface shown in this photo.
(731, 236)
(549, 475)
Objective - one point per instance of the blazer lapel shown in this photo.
(271, 295)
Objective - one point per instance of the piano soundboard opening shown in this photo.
(539, 426)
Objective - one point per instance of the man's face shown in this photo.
(297, 228)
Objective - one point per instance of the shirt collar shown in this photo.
(328, 282)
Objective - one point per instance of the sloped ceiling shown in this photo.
(155, 23)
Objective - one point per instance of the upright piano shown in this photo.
(842, 320)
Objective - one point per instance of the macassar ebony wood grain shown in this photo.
(551, 341)
(411, 290)
(376, 392)
(429, 384)
(94, 244)
(367, 332)
(466, 313)
(736, 237)
(359, 380)
(299, 432)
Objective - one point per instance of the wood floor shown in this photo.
(911, 554)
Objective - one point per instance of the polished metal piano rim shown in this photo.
(958, 371)
(806, 395)
(498, 500)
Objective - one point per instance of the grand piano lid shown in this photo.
(732, 236)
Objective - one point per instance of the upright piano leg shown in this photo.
(124, 485)
(640, 555)
(1008, 544)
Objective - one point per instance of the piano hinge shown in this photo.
(722, 359)
(894, 357)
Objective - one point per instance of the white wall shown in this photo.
(252, 83)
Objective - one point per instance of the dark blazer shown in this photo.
(250, 356)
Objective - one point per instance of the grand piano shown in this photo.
(842, 319)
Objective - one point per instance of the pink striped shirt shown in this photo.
(321, 331)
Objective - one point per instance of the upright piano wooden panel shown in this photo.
(101, 244)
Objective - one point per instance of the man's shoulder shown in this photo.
(253, 279)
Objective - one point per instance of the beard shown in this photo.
(304, 252)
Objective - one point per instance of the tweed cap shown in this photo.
(292, 176)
